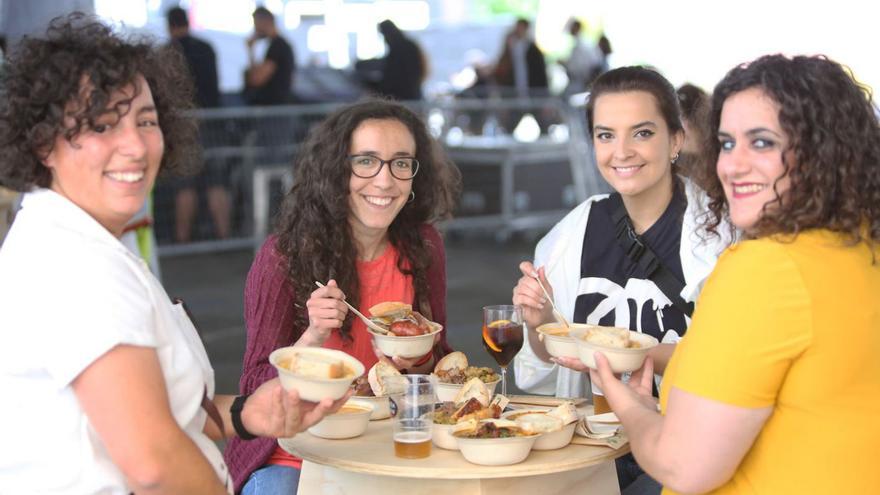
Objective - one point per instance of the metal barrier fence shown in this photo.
(524, 164)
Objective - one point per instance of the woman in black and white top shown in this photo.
(593, 272)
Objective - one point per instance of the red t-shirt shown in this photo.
(380, 281)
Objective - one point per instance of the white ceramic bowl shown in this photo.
(546, 441)
(406, 347)
(349, 422)
(496, 451)
(621, 360)
(446, 392)
(310, 388)
(442, 437)
(560, 345)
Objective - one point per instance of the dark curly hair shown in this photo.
(74, 71)
(834, 146)
(637, 78)
(314, 234)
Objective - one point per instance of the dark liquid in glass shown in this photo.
(503, 341)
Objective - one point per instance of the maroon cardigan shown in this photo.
(268, 310)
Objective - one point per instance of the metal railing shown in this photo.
(524, 163)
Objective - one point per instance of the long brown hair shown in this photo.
(314, 234)
(834, 139)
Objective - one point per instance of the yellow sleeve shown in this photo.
(752, 321)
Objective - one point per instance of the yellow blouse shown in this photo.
(794, 325)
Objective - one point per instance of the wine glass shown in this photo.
(502, 336)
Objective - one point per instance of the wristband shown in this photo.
(425, 359)
(235, 412)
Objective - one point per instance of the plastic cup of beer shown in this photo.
(413, 421)
(600, 403)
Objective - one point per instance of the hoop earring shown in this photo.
(412, 196)
(674, 159)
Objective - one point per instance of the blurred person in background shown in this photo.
(584, 63)
(404, 68)
(521, 68)
(269, 82)
(604, 45)
(776, 388)
(631, 259)
(109, 387)
(214, 177)
(694, 103)
(370, 183)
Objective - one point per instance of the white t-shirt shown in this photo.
(70, 292)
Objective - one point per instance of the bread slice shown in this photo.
(473, 388)
(608, 336)
(381, 379)
(391, 309)
(314, 365)
(566, 412)
(534, 423)
(451, 361)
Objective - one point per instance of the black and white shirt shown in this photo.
(614, 290)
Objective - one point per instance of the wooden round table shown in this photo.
(367, 465)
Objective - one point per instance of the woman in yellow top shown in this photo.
(776, 387)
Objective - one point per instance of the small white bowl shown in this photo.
(442, 437)
(556, 439)
(621, 360)
(446, 392)
(560, 345)
(406, 347)
(546, 441)
(310, 388)
(345, 423)
(496, 451)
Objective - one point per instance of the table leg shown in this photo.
(600, 479)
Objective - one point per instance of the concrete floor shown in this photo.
(480, 272)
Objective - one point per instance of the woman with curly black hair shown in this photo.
(776, 388)
(369, 184)
(108, 386)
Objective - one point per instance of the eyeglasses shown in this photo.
(368, 166)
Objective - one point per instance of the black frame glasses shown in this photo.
(415, 166)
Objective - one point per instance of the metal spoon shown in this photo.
(366, 320)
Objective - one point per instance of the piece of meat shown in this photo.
(362, 387)
(407, 328)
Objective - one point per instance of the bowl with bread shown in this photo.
(314, 372)
(626, 350)
(558, 340)
(493, 442)
(407, 333)
(555, 426)
(377, 388)
(349, 421)
(452, 372)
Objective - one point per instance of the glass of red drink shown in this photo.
(502, 336)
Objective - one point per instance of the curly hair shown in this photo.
(73, 73)
(834, 140)
(314, 234)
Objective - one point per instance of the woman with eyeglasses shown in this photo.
(369, 183)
